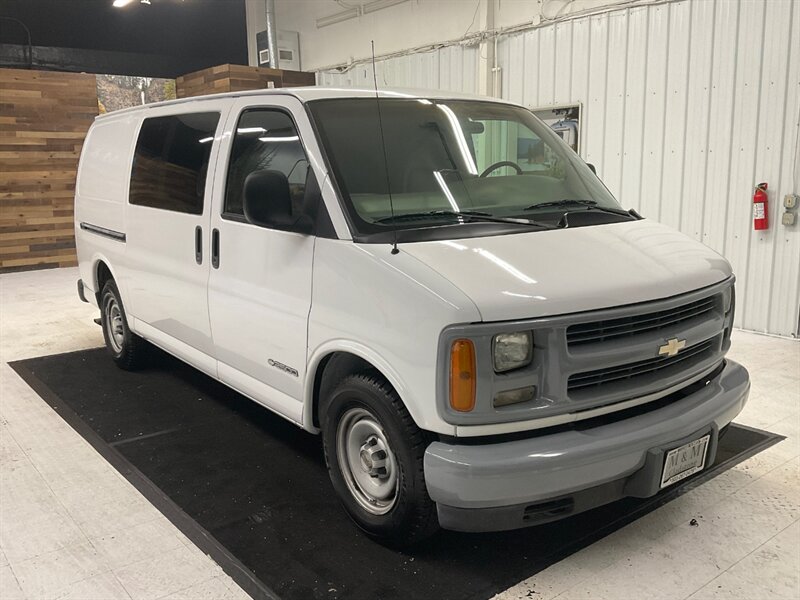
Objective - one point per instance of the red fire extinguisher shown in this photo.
(760, 207)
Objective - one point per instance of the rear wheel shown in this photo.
(374, 453)
(126, 348)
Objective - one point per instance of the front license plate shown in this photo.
(684, 461)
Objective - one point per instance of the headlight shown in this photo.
(512, 350)
(727, 299)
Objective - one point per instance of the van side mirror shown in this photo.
(591, 168)
(268, 202)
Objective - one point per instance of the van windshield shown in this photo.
(453, 156)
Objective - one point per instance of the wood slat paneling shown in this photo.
(237, 78)
(44, 117)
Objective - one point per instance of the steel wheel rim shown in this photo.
(366, 461)
(114, 328)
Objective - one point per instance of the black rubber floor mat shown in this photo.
(252, 491)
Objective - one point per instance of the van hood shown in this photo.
(561, 271)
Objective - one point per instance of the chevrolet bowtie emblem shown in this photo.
(672, 347)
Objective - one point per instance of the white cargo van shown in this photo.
(485, 340)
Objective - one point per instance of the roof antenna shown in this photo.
(383, 146)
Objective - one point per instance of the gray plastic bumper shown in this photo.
(499, 485)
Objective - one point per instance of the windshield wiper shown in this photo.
(470, 215)
(589, 204)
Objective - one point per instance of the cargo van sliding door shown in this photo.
(168, 233)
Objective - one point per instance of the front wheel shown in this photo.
(374, 452)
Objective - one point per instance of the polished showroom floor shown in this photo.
(72, 527)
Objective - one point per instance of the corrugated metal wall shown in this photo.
(686, 106)
(453, 68)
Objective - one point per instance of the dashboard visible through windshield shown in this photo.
(452, 164)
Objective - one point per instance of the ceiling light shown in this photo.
(121, 3)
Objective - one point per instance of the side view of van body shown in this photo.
(435, 283)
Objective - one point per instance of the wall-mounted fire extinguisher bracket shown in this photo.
(760, 207)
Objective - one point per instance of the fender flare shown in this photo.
(97, 258)
(365, 353)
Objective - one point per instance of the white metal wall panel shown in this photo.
(514, 87)
(635, 97)
(678, 60)
(546, 93)
(451, 68)
(594, 114)
(579, 66)
(654, 126)
(562, 91)
(773, 88)
(526, 66)
(717, 213)
(615, 100)
(698, 103)
(785, 288)
(748, 141)
(458, 69)
(686, 106)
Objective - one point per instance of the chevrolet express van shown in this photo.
(483, 336)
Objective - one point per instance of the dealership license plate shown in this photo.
(684, 461)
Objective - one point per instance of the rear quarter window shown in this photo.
(170, 163)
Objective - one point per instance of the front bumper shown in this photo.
(507, 485)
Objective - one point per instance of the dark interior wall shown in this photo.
(166, 38)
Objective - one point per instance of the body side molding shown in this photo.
(109, 233)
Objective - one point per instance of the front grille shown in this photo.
(609, 329)
(650, 369)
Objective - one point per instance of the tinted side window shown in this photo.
(265, 139)
(171, 162)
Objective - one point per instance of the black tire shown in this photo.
(412, 516)
(127, 349)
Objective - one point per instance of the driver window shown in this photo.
(265, 139)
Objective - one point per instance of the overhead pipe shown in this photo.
(272, 35)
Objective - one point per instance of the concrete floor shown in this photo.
(72, 527)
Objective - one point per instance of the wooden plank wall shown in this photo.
(237, 78)
(44, 117)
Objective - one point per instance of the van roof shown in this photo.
(306, 94)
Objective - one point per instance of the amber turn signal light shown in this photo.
(462, 375)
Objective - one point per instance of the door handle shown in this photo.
(198, 244)
(215, 248)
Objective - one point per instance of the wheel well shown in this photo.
(103, 275)
(332, 369)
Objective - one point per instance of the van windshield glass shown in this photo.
(448, 157)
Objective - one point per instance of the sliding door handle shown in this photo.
(215, 248)
(198, 244)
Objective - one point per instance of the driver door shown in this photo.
(259, 291)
